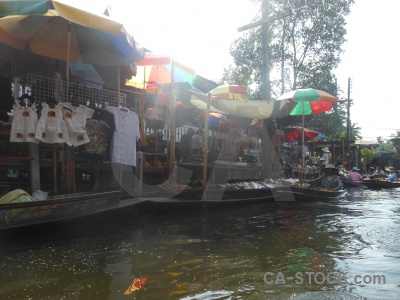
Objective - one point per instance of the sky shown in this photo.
(199, 34)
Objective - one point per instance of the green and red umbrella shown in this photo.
(309, 102)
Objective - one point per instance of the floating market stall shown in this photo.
(69, 147)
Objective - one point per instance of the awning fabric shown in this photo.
(250, 109)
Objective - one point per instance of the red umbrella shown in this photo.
(295, 133)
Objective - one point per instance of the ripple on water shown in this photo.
(221, 254)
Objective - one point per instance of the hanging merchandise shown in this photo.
(51, 127)
(126, 134)
(100, 129)
(75, 119)
(24, 123)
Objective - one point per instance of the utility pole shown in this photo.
(266, 87)
(348, 117)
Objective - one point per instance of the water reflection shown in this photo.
(222, 253)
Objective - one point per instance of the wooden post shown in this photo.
(172, 157)
(34, 166)
(55, 169)
(205, 150)
(139, 173)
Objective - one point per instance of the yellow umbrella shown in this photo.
(69, 33)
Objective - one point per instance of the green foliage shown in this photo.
(332, 124)
(368, 155)
(310, 41)
(384, 145)
(397, 134)
(307, 45)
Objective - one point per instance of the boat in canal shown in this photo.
(63, 207)
(351, 184)
(236, 191)
(380, 184)
(300, 193)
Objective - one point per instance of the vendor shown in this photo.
(325, 156)
(392, 177)
(197, 141)
(329, 180)
(379, 172)
(354, 176)
(185, 145)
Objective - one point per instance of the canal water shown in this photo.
(345, 249)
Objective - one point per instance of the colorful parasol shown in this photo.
(234, 92)
(309, 101)
(157, 69)
(215, 119)
(73, 35)
(295, 133)
(68, 33)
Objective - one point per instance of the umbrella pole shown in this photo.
(68, 57)
(119, 87)
(172, 162)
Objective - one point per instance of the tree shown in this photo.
(355, 131)
(331, 124)
(310, 41)
(396, 135)
(384, 145)
(367, 155)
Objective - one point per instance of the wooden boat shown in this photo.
(350, 184)
(380, 184)
(214, 195)
(298, 193)
(59, 208)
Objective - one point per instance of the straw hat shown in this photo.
(326, 149)
(330, 166)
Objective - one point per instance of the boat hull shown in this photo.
(349, 184)
(14, 215)
(380, 184)
(295, 193)
(215, 197)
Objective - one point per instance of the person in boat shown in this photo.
(185, 145)
(325, 157)
(392, 175)
(354, 176)
(329, 180)
(379, 172)
(371, 170)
